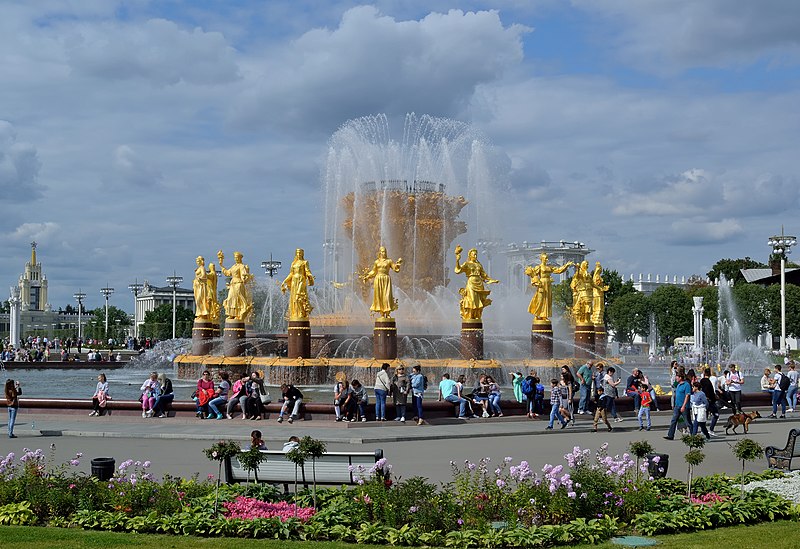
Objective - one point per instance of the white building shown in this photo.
(151, 297)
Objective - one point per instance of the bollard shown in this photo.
(657, 470)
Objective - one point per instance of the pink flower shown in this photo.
(250, 508)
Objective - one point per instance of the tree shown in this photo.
(672, 308)
(746, 450)
(731, 268)
(753, 305)
(158, 322)
(562, 297)
(97, 324)
(617, 287)
(629, 316)
(792, 309)
(693, 457)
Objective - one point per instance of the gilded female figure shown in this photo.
(238, 305)
(200, 287)
(474, 296)
(383, 302)
(541, 306)
(598, 295)
(298, 281)
(582, 294)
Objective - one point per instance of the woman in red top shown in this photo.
(204, 393)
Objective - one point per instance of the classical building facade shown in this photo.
(151, 297)
(33, 285)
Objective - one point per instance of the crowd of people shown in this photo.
(44, 349)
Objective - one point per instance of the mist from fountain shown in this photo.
(730, 338)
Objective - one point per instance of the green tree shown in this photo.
(562, 297)
(5, 307)
(673, 311)
(629, 316)
(792, 309)
(117, 320)
(731, 268)
(158, 322)
(753, 305)
(617, 287)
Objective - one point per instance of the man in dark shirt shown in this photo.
(292, 398)
(632, 389)
(708, 388)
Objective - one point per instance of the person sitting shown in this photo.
(257, 398)
(204, 393)
(256, 441)
(632, 389)
(221, 398)
(163, 400)
(340, 390)
(494, 397)
(292, 399)
(150, 390)
(356, 402)
(480, 394)
(449, 391)
(238, 396)
(101, 396)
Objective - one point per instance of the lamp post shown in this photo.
(107, 293)
(781, 246)
(270, 268)
(136, 287)
(79, 296)
(173, 281)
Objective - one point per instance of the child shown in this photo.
(340, 390)
(291, 444)
(538, 398)
(256, 441)
(516, 384)
(644, 405)
(699, 409)
(555, 404)
(603, 405)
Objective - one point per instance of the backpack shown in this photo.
(527, 386)
(784, 382)
(540, 390)
(424, 383)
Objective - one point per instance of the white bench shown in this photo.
(333, 468)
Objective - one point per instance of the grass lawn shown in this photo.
(775, 535)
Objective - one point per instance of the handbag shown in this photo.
(700, 413)
(265, 399)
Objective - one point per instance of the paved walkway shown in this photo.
(174, 445)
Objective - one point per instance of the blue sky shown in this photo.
(135, 135)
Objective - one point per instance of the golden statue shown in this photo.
(213, 300)
(598, 295)
(474, 297)
(582, 288)
(297, 282)
(239, 303)
(200, 287)
(541, 305)
(383, 302)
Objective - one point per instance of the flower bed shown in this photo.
(250, 508)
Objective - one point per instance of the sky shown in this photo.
(136, 135)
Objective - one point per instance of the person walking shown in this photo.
(555, 405)
(734, 381)
(602, 410)
(584, 375)
(382, 387)
(12, 390)
(610, 392)
(418, 386)
(780, 386)
(794, 379)
(711, 395)
(645, 400)
(683, 392)
(699, 409)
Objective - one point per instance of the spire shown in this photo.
(33, 253)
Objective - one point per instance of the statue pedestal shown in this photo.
(472, 339)
(203, 334)
(600, 339)
(384, 339)
(233, 338)
(584, 340)
(299, 339)
(542, 339)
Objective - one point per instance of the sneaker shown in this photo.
(291, 420)
(397, 419)
(363, 420)
(712, 434)
(773, 416)
(92, 414)
(12, 435)
(548, 428)
(641, 428)
(647, 429)
(617, 419)
(162, 415)
(338, 419)
(610, 428)
(594, 430)
(463, 417)
(790, 409)
(564, 425)
(220, 416)
(669, 438)
(228, 416)
(782, 416)
(485, 414)
(144, 414)
(402, 420)
(352, 420)
(280, 420)
(420, 422)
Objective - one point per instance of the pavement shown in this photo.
(174, 445)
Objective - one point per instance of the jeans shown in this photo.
(644, 412)
(416, 402)
(555, 415)
(295, 408)
(462, 404)
(673, 424)
(214, 402)
(162, 403)
(778, 397)
(612, 407)
(538, 404)
(531, 404)
(713, 411)
(12, 419)
(736, 401)
(702, 426)
(791, 396)
(494, 404)
(655, 402)
(380, 404)
(636, 399)
(583, 403)
(400, 410)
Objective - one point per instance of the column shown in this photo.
(697, 312)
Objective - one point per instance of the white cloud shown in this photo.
(158, 51)
(130, 170)
(19, 167)
(374, 63)
(41, 232)
(697, 232)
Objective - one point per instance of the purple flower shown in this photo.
(460, 522)
(501, 483)
(413, 509)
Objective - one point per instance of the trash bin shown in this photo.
(657, 468)
(103, 468)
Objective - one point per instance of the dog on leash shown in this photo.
(741, 419)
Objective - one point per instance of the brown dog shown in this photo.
(741, 419)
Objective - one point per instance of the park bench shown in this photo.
(781, 458)
(333, 468)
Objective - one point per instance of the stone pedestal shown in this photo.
(384, 339)
(600, 339)
(203, 334)
(472, 339)
(233, 338)
(299, 339)
(584, 341)
(542, 339)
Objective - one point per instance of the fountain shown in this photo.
(419, 194)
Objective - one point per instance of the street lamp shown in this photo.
(107, 293)
(79, 296)
(136, 287)
(781, 246)
(270, 268)
(173, 281)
